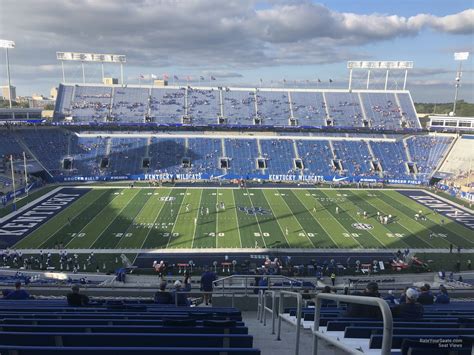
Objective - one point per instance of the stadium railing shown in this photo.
(232, 282)
(299, 307)
(262, 308)
(370, 301)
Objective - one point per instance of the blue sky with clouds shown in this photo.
(242, 41)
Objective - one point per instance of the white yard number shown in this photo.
(78, 235)
(125, 235)
(395, 235)
(351, 235)
(265, 234)
(167, 198)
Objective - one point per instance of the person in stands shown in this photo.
(18, 293)
(162, 296)
(207, 285)
(361, 310)
(76, 299)
(426, 297)
(442, 297)
(411, 309)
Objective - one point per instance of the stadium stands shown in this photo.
(63, 153)
(50, 326)
(242, 107)
(453, 323)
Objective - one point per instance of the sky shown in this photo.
(251, 43)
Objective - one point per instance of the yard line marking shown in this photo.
(278, 222)
(113, 219)
(176, 219)
(331, 217)
(156, 218)
(237, 217)
(75, 217)
(286, 203)
(93, 219)
(197, 219)
(132, 222)
(255, 215)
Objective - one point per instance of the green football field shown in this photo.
(152, 218)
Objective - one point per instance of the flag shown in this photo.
(165, 76)
(176, 77)
(284, 80)
(201, 78)
(142, 76)
(213, 78)
(153, 76)
(319, 80)
(330, 80)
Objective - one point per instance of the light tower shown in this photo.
(8, 45)
(459, 57)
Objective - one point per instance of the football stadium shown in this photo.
(201, 216)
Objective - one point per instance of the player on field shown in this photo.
(337, 210)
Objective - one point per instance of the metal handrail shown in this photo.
(272, 310)
(299, 306)
(370, 301)
(247, 277)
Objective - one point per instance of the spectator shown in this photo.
(442, 297)
(207, 285)
(76, 299)
(361, 310)
(403, 296)
(333, 279)
(187, 282)
(426, 297)
(18, 293)
(162, 296)
(411, 309)
(390, 298)
(263, 283)
(178, 297)
(469, 265)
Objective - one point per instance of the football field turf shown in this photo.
(155, 218)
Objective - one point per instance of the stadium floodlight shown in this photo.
(8, 45)
(91, 57)
(379, 64)
(459, 57)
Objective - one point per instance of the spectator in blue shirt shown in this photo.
(18, 293)
(442, 297)
(207, 285)
(426, 297)
(390, 298)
